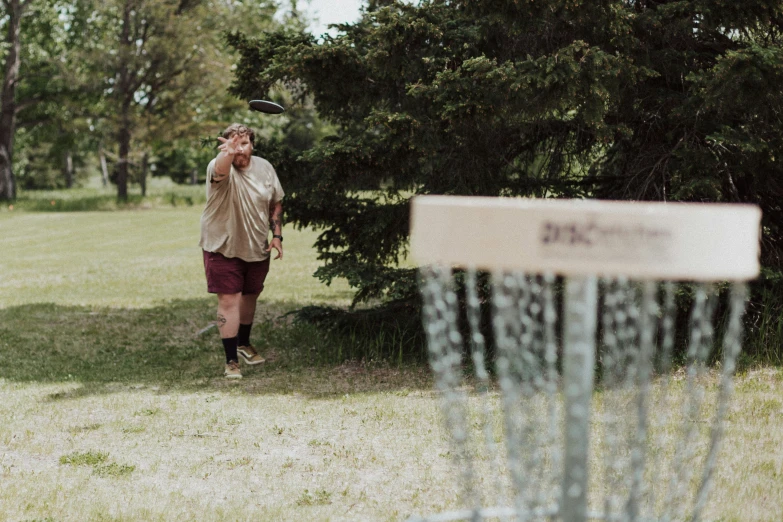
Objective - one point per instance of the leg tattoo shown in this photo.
(221, 321)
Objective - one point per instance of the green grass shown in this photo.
(113, 470)
(114, 406)
(122, 295)
(105, 333)
(88, 458)
(132, 259)
(161, 193)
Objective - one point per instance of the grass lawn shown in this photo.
(114, 407)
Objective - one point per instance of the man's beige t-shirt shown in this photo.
(235, 221)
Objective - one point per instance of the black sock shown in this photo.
(230, 346)
(243, 337)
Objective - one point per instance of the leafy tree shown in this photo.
(38, 122)
(137, 82)
(52, 139)
(184, 156)
(185, 164)
(139, 50)
(644, 100)
(158, 70)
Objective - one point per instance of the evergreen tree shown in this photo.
(675, 100)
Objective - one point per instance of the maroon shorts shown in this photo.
(231, 275)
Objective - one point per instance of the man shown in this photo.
(244, 202)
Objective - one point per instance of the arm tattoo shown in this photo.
(276, 219)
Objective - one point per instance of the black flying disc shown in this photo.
(267, 107)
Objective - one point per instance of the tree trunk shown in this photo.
(125, 97)
(194, 176)
(7, 182)
(143, 174)
(8, 99)
(68, 169)
(104, 168)
(122, 161)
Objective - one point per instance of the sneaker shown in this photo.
(250, 355)
(232, 370)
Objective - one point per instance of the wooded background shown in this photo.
(662, 100)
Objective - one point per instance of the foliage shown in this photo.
(706, 126)
(183, 164)
(389, 332)
(764, 338)
(143, 59)
(138, 80)
(48, 126)
(645, 100)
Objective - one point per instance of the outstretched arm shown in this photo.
(225, 157)
(276, 226)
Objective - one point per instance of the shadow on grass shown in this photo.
(172, 346)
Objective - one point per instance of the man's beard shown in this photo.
(241, 161)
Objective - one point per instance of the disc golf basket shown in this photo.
(591, 397)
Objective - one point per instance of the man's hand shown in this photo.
(277, 245)
(228, 148)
